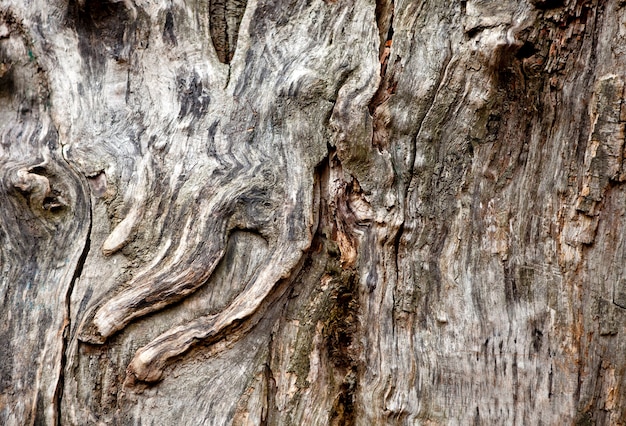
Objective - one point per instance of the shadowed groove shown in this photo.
(225, 18)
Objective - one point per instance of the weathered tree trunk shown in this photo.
(309, 212)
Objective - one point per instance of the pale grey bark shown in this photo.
(312, 212)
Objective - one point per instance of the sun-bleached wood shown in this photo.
(312, 212)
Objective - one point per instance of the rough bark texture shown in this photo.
(291, 212)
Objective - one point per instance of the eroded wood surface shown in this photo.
(312, 212)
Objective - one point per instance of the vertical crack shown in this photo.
(58, 393)
(378, 107)
(270, 405)
(384, 20)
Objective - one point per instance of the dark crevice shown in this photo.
(270, 382)
(343, 409)
(339, 312)
(218, 29)
(547, 4)
(387, 86)
(224, 20)
(340, 331)
(384, 21)
(58, 393)
(396, 247)
(169, 36)
(527, 50)
(474, 31)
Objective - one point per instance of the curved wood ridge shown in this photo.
(209, 187)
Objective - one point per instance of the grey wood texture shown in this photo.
(309, 212)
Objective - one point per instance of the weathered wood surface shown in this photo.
(312, 212)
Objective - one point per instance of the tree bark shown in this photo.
(312, 212)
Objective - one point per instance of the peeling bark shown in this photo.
(312, 212)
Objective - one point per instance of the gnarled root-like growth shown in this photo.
(252, 200)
